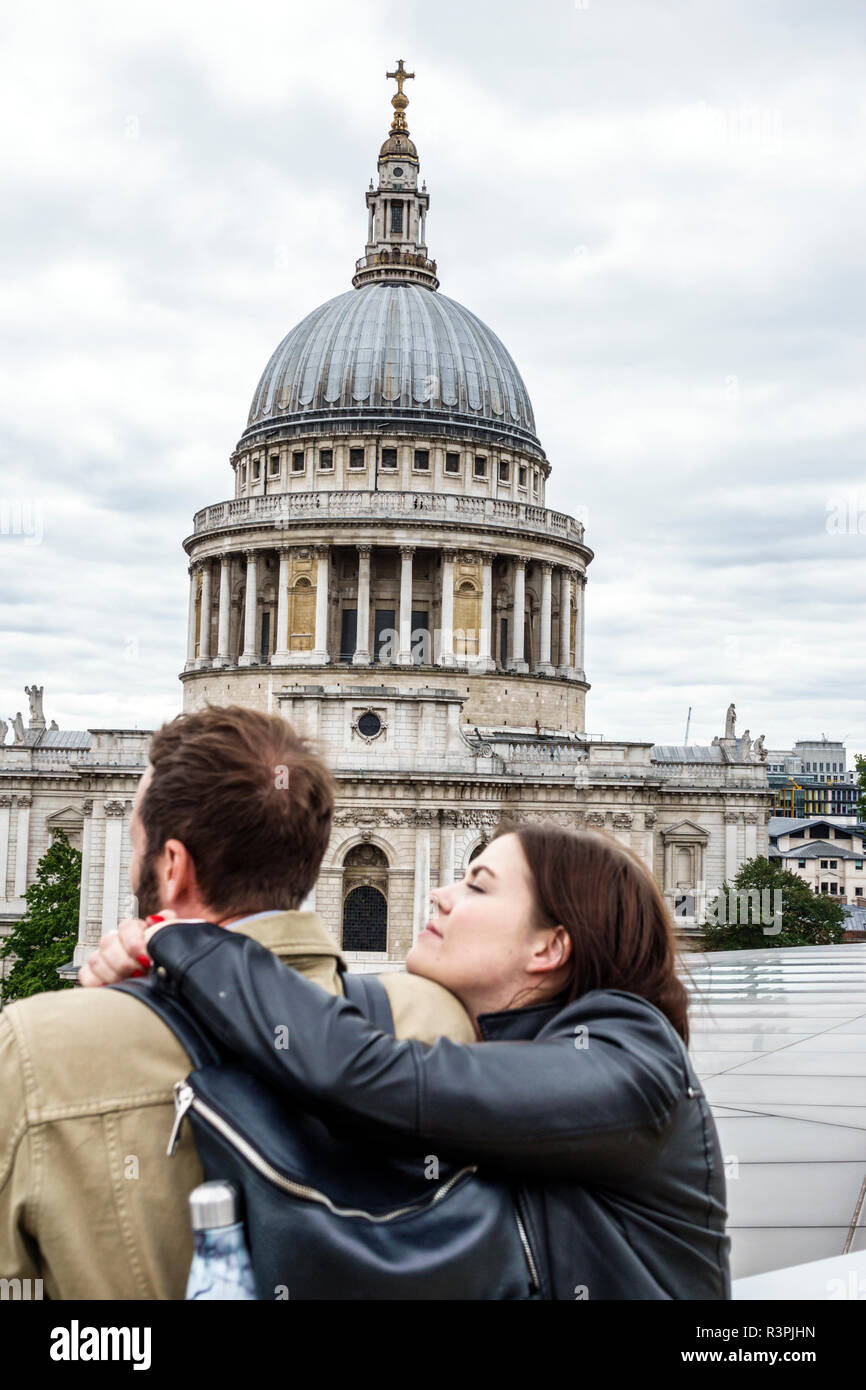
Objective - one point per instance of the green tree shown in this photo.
(861, 782)
(46, 935)
(767, 906)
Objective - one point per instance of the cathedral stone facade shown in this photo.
(386, 575)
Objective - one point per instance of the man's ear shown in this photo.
(178, 873)
(552, 950)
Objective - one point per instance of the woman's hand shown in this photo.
(122, 954)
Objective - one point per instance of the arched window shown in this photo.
(365, 899)
(365, 919)
(482, 844)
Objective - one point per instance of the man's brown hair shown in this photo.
(248, 798)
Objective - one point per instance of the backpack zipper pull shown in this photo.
(184, 1096)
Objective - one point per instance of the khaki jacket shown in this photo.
(89, 1201)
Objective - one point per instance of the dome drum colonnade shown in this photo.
(243, 611)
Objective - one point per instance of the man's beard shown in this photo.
(147, 888)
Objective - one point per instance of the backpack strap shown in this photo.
(369, 995)
(191, 1037)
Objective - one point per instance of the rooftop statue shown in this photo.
(730, 721)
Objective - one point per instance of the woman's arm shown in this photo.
(590, 1097)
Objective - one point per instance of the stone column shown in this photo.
(565, 667)
(447, 833)
(114, 812)
(5, 815)
(485, 660)
(517, 660)
(751, 848)
(319, 655)
(362, 622)
(281, 654)
(580, 592)
(446, 638)
(544, 667)
(249, 655)
(204, 625)
(22, 845)
(731, 862)
(422, 873)
(83, 947)
(190, 628)
(223, 656)
(404, 656)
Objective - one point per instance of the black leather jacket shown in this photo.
(593, 1107)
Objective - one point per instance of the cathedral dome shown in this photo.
(396, 348)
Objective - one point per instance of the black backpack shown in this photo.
(327, 1217)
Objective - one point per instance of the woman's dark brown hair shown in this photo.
(611, 907)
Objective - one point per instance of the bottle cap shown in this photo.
(213, 1204)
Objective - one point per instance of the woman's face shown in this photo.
(480, 942)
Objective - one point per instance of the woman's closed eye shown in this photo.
(475, 888)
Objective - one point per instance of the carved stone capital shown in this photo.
(622, 820)
(373, 817)
(364, 549)
(649, 819)
(595, 818)
(5, 800)
(449, 818)
(425, 816)
(87, 807)
(23, 801)
(449, 555)
(480, 820)
(407, 551)
(114, 808)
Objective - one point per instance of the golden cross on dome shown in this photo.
(400, 75)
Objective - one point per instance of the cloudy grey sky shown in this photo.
(659, 207)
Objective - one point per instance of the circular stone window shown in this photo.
(398, 173)
(369, 725)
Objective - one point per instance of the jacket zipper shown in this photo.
(527, 1248)
(185, 1099)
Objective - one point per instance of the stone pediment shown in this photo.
(685, 830)
(69, 816)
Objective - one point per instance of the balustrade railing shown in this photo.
(284, 508)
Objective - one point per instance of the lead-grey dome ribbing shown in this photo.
(394, 348)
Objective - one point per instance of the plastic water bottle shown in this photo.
(221, 1266)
